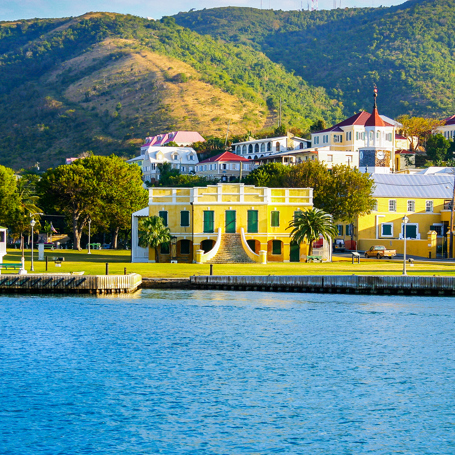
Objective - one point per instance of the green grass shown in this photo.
(94, 264)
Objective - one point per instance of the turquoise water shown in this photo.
(199, 372)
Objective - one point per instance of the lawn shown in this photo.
(94, 264)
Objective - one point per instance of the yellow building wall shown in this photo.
(239, 198)
(369, 231)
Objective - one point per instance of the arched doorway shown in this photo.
(207, 245)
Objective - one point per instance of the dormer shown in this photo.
(175, 156)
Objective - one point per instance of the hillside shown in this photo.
(102, 82)
(407, 50)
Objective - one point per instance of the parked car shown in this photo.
(379, 252)
(339, 245)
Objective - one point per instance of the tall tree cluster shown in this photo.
(105, 190)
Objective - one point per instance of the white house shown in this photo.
(3, 236)
(258, 148)
(225, 167)
(448, 129)
(182, 158)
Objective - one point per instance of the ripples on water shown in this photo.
(198, 372)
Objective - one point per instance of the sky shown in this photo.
(26, 9)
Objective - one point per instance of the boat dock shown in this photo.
(73, 284)
(346, 284)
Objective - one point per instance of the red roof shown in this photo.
(226, 156)
(375, 119)
(450, 120)
(361, 118)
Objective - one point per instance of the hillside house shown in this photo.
(225, 167)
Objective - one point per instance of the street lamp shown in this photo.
(405, 222)
(32, 225)
(89, 223)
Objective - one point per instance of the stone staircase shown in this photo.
(231, 251)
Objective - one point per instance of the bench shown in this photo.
(94, 246)
(314, 259)
(58, 261)
(10, 265)
(48, 246)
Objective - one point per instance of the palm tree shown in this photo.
(153, 233)
(309, 225)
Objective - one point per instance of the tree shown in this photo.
(9, 199)
(104, 189)
(270, 175)
(417, 129)
(437, 147)
(318, 125)
(344, 192)
(310, 225)
(153, 233)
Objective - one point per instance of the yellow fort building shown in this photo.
(225, 223)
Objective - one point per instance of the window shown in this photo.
(209, 221)
(224, 166)
(349, 229)
(357, 136)
(175, 157)
(411, 206)
(277, 146)
(182, 168)
(412, 230)
(439, 228)
(184, 247)
(340, 229)
(389, 137)
(164, 248)
(276, 247)
(428, 206)
(250, 148)
(2, 236)
(387, 230)
(163, 216)
(269, 146)
(191, 157)
(330, 158)
(184, 218)
(263, 147)
(256, 148)
(275, 219)
(252, 221)
(392, 205)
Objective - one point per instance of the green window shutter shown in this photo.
(208, 221)
(163, 215)
(411, 231)
(275, 219)
(184, 218)
(386, 229)
(276, 247)
(252, 221)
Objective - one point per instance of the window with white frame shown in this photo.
(175, 157)
(357, 136)
(411, 206)
(386, 229)
(392, 205)
(428, 206)
(191, 157)
(439, 228)
(330, 158)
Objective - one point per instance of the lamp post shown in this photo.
(32, 225)
(89, 223)
(174, 249)
(405, 222)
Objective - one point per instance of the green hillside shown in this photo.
(102, 82)
(407, 50)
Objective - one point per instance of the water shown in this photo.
(198, 372)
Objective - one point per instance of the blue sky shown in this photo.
(25, 9)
